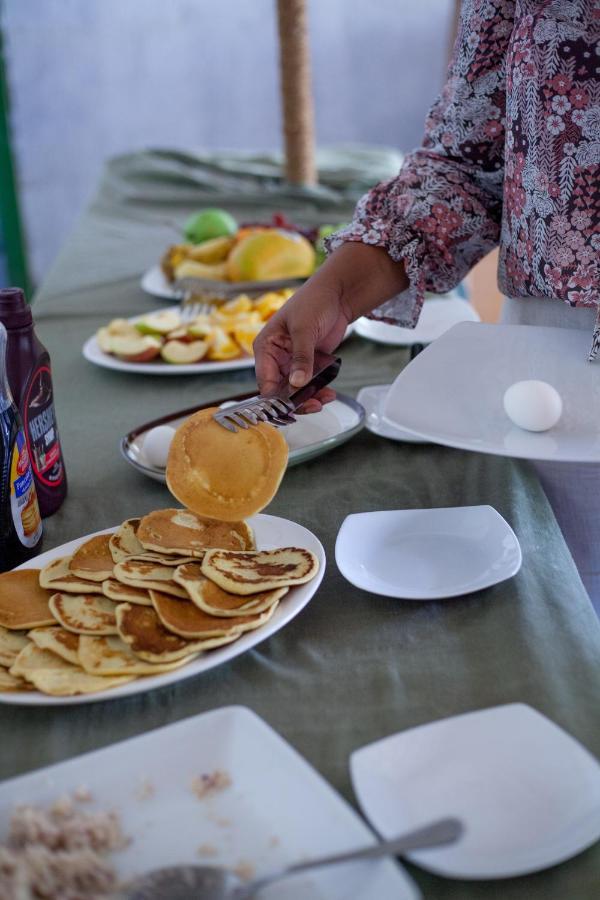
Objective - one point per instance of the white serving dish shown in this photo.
(527, 792)
(269, 532)
(452, 393)
(155, 283)
(427, 554)
(277, 810)
(310, 436)
(437, 316)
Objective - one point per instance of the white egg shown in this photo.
(156, 445)
(533, 405)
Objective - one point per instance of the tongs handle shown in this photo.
(325, 369)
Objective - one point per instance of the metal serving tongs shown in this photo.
(280, 408)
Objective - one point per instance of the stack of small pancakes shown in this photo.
(146, 599)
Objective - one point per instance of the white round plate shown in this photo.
(154, 282)
(527, 792)
(94, 354)
(269, 532)
(427, 554)
(372, 399)
(452, 392)
(437, 316)
(310, 436)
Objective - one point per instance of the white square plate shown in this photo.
(527, 792)
(452, 392)
(276, 810)
(427, 554)
(372, 399)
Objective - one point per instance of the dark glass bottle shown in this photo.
(20, 521)
(30, 379)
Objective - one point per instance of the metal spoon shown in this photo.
(215, 883)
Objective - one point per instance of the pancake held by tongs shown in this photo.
(261, 570)
(212, 599)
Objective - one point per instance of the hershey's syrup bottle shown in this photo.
(30, 379)
(20, 520)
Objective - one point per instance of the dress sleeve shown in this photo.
(442, 213)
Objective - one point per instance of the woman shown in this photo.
(511, 157)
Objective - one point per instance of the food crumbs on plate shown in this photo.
(207, 850)
(145, 790)
(210, 783)
(60, 853)
(82, 794)
(245, 870)
(274, 841)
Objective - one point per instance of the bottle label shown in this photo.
(41, 431)
(23, 498)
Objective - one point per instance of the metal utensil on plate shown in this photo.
(215, 883)
(280, 408)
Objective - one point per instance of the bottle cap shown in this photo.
(14, 311)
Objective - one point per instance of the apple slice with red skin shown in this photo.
(135, 349)
(181, 353)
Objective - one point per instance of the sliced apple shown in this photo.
(104, 339)
(137, 348)
(201, 328)
(121, 327)
(180, 353)
(159, 323)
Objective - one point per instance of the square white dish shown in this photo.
(276, 810)
(452, 392)
(527, 792)
(427, 554)
(372, 400)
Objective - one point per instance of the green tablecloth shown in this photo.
(352, 667)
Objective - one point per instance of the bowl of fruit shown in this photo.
(220, 256)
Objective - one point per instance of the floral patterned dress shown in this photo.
(511, 156)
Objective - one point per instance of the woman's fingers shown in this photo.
(303, 354)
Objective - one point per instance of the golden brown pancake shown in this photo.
(147, 575)
(179, 531)
(222, 474)
(142, 630)
(11, 644)
(53, 675)
(58, 640)
(23, 603)
(109, 656)
(57, 576)
(93, 560)
(10, 682)
(33, 657)
(262, 570)
(182, 617)
(125, 593)
(209, 597)
(84, 613)
(124, 542)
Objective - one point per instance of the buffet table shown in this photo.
(352, 667)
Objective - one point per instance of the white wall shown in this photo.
(91, 78)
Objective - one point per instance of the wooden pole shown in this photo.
(296, 93)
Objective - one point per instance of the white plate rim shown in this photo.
(420, 334)
(420, 858)
(401, 435)
(155, 276)
(296, 457)
(429, 596)
(286, 611)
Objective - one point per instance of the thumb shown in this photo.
(303, 352)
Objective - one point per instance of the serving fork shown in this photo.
(281, 407)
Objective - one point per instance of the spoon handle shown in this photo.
(444, 831)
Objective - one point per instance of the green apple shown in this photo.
(209, 223)
(159, 323)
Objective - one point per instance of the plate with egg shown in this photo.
(523, 391)
(146, 448)
(164, 343)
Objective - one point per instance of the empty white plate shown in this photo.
(372, 400)
(437, 316)
(527, 792)
(427, 554)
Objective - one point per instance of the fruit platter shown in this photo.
(165, 342)
(221, 257)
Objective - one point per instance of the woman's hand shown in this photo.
(354, 280)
